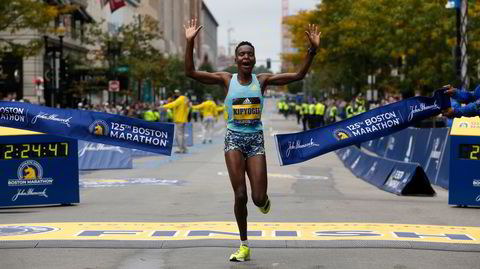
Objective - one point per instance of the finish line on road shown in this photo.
(178, 231)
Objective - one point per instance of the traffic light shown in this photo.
(269, 63)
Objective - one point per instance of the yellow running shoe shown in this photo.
(264, 209)
(241, 255)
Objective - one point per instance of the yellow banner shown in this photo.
(466, 126)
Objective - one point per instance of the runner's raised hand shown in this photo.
(191, 29)
(313, 36)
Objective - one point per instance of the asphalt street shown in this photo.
(193, 190)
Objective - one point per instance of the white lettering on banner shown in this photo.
(376, 127)
(294, 145)
(29, 192)
(422, 107)
(477, 199)
(149, 132)
(374, 124)
(139, 138)
(12, 114)
(11, 110)
(52, 117)
(98, 147)
(380, 118)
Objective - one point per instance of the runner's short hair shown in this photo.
(243, 43)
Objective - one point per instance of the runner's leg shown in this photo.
(257, 174)
(236, 170)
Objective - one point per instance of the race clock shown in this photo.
(464, 177)
(37, 169)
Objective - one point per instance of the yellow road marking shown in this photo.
(228, 230)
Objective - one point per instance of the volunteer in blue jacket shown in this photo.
(470, 99)
(244, 141)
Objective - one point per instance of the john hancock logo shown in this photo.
(341, 134)
(29, 173)
(98, 127)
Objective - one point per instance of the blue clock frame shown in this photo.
(464, 175)
(38, 169)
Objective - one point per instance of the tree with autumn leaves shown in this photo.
(25, 17)
(411, 38)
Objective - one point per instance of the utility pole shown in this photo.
(229, 30)
(463, 43)
(461, 60)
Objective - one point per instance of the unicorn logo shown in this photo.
(341, 134)
(29, 172)
(99, 128)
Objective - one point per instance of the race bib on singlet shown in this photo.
(246, 110)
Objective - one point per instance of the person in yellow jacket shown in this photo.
(208, 110)
(359, 107)
(149, 115)
(311, 115)
(180, 118)
(349, 110)
(298, 112)
(305, 115)
(319, 114)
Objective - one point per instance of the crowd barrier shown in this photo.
(401, 178)
(427, 147)
(427, 150)
(92, 156)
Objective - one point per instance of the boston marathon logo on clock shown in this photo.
(98, 127)
(29, 173)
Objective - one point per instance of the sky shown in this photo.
(257, 21)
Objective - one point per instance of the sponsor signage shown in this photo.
(298, 147)
(30, 174)
(91, 126)
(464, 176)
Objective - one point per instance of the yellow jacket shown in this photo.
(180, 109)
(209, 108)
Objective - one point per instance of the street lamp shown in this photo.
(51, 77)
(61, 85)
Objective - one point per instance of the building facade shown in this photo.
(208, 36)
(41, 78)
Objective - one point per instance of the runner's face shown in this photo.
(245, 58)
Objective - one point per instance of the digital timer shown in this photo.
(33, 150)
(37, 169)
(463, 188)
(469, 151)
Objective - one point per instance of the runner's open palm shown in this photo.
(191, 29)
(313, 35)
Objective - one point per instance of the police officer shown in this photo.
(298, 112)
(332, 114)
(311, 114)
(319, 114)
(349, 110)
(305, 115)
(359, 105)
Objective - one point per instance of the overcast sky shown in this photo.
(257, 21)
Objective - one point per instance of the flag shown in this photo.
(116, 4)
